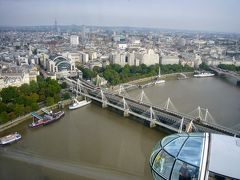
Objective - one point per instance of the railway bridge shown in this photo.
(166, 116)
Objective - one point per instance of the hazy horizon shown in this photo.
(196, 15)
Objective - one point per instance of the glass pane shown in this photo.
(153, 156)
(192, 150)
(184, 171)
(157, 177)
(174, 146)
(157, 146)
(163, 164)
(167, 139)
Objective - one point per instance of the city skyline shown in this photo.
(216, 15)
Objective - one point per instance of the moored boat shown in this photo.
(53, 117)
(77, 104)
(10, 138)
(38, 120)
(204, 74)
(37, 123)
(159, 81)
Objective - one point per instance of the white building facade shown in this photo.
(74, 40)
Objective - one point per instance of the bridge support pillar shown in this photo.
(104, 104)
(152, 123)
(152, 118)
(126, 108)
(126, 113)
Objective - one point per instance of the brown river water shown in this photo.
(96, 143)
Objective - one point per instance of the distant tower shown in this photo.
(56, 28)
(198, 42)
(237, 47)
(83, 34)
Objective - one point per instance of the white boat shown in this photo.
(159, 81)
(204, 74)
(77, 104)
(10, 138)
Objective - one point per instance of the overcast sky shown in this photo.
(211, 15)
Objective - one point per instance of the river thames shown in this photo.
(96, 143)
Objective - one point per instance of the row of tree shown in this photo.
(17, 101)
(229, 67)
(204, 66)
(116, 74)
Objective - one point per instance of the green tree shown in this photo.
(21, 99)
(3, 117)
(19, 109)
(25, 89)
(29, 101)
(112, 76)
(66, 96)
(10, 107)
(3, 107)
(115, 67)
(64, 85)
(27, 109)
(204, 66)
(12, 115)
(49, 101)
(34, 97)
(97, 69)
(34, 107)
(9, 94)
(87, 73)
(56, 97)
(34, 86)
(229, 67)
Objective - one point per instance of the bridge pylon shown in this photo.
(143, 98)
(206, 113)
(181, 126)
(126, 108)
(189, 127)
(104, 99)
(199, 113)
(78, 87)
(120, 89)
(168, 105)
(152, 118)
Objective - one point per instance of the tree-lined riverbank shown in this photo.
(18, 101)
(116, 74)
